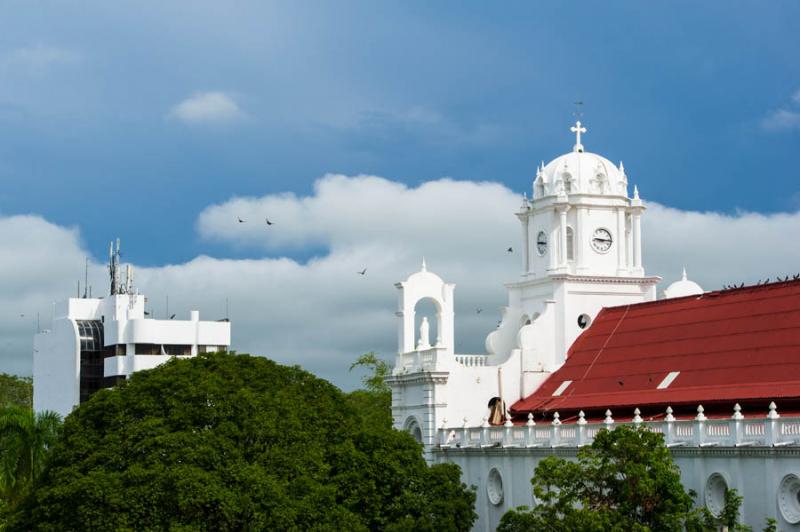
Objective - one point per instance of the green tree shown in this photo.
(374, 402)
(626, 480)
(16, 391)
(224, 442)
(378, 369)
(25, 438)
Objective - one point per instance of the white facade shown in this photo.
(95, 342)
(757, 456)
(581, 237)
(582, 251)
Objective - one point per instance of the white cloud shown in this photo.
(207, 107)
(38, 59)
(320, 313)
(781, 120)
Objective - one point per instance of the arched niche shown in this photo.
(425, 285)
(431, 309)
(413, 427)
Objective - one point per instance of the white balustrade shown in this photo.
(767, 431)
(472, 361)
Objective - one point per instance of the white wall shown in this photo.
(755, 473)
(56, 366)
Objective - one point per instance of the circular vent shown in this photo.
(789, 498)
(716, 487)
(494, 487)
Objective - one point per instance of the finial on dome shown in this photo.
(683, 275)
(424, 266)
(578, 129)
(635, 192)
(621, 168)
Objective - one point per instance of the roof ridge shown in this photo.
(709, 294)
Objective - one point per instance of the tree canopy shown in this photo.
(16, 391)
(25, 439)
(228, 442)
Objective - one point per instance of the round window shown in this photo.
(584, 321)
(494, 487)
(789, 498)
(716, 486)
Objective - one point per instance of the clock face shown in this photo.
(541, 243)
(601, 240)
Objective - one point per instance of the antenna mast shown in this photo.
(113, 268)
(85, 279)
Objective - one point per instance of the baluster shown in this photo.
(581, 429)
(530, 435)
(669, 429)
(699, 436)
(555, 432)
(736, 425)
(771, 434)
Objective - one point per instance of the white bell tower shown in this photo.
(582, 250)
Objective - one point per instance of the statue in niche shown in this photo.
(424, 334)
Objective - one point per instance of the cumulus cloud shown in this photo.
(781, 120)
(38, 59)
(785, 118)
(207, 108)
(319, 312)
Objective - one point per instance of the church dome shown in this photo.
(683, 288)
(580, 172)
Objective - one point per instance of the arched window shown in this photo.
(570, 244)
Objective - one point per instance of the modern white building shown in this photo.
(584, 344)
(94, 343)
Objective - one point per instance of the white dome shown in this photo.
(683, 288)
(580, 172)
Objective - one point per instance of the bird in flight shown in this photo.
(240, 219)
(362, 272)
(172, 317)
(268, 222)
(510, 250)
(478, 310)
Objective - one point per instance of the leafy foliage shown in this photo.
(224, 442)
(25, 439)
(374, 402)
(375, 380)
(16, 391)
(626, 481)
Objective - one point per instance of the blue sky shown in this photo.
(161, 122)
(410, 91)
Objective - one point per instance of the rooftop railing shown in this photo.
(737, 431)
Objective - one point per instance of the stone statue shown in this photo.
(424, 334)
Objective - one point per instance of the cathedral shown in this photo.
(588, 341)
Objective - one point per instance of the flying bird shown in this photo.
(240, 219)
(172, 317)
(511, 250)
(268, 222)
(478, 310)
(362, 272)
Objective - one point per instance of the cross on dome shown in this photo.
(577, 129)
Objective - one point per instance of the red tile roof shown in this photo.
(739, 345)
